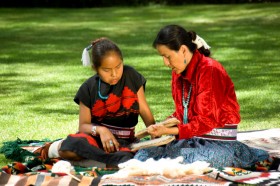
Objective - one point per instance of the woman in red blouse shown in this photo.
(205, 103)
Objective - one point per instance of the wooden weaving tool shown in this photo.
(152, 143)
(170, 122)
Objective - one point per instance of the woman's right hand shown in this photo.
(156, 130)
(109, 142)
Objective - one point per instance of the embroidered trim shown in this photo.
(227, 133)
(120, 132)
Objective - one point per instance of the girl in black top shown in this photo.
(110, 103)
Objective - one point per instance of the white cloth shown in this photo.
(200, 43)
(85, 57)
(53, 150)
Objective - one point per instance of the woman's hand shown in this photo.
(109, 142)
(156, 130)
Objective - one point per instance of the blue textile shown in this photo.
(217, 153)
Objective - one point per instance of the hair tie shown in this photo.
(200, 43)
(85, 56)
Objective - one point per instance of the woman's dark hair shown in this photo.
(173, 36)
(100, 48)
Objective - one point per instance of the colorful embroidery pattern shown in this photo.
(113, 104)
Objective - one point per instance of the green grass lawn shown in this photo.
(40, 67)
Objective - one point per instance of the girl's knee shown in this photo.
(69, 155)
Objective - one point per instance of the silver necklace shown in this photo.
(186, 103)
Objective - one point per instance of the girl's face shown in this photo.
(111, 68)
(174, 59)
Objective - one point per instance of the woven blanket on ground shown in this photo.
(197, 180)
(33, 171)
(227, 176)
(268, 140)
(88, 176)
(42, 180)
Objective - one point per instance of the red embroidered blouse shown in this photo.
(213, 101)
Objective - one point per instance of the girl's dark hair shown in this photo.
(173, 36)
(100, 48)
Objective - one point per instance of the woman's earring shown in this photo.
(185, 61)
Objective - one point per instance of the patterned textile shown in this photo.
(226, 176)
(228, 132)
(33, 170)
(42, 179)
(198, 180)
(267, 140)
(28, 156)
(248, 177)
(88, 176)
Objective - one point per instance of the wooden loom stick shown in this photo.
(170, 122)
(76, 178)
(152, 143)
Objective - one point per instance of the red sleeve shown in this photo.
(213, 103)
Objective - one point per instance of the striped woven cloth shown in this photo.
(32, 169)
(43, 179)
(88, 176)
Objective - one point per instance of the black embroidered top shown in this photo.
(121, 108)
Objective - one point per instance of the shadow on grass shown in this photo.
(243, 39)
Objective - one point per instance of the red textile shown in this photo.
(89, 138)
(213, 101)
(93, 142)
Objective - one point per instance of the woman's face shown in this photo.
(173, 59)
(111, 68)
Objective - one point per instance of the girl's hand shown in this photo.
(109, 142)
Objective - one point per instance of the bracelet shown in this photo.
(93, 130)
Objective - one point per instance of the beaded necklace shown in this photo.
(99, 93)
(186, 103)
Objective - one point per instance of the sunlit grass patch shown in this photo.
(41, 69)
